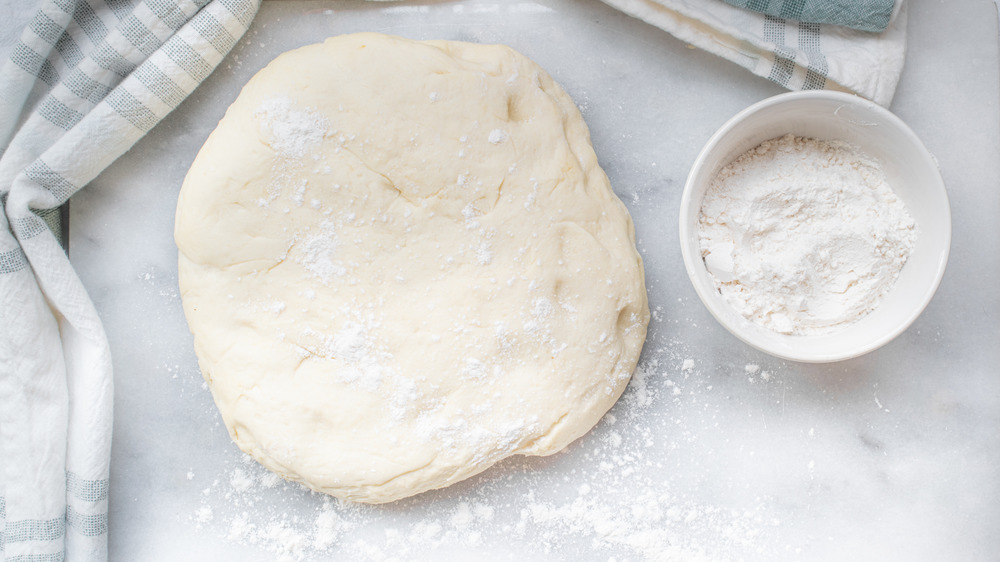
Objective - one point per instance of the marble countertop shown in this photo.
(715, 452)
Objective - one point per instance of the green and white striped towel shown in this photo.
(87, 79)
(795, 53)
(866, 15)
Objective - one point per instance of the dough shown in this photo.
(402, 263)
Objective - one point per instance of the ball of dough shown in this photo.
(402, 263)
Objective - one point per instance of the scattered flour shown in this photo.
(203, 515)
(292, 132)
(544, 513)
(497, 136)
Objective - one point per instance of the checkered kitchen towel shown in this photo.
(866, 15)
(777, 40)
(87, 79)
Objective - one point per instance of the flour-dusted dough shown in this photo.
(402, 263)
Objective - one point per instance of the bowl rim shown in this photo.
(693, 260)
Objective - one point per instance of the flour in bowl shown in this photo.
(804, 236)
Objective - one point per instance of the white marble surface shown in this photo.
(892, 456)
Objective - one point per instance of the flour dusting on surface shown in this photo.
(291, 131)
(552, 511)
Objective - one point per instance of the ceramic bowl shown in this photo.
(911, 171)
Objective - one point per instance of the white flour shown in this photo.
(522, 511)
(804, 236)
(291, 132)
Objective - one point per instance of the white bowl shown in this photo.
(911, 171)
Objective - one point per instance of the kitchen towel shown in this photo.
(866, 15)
(797, 54)
(85, 81)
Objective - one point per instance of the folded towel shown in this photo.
(866, 15)
(87, 79)
(799, 55)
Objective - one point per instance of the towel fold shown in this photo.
(797, 54)
(86, 80)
